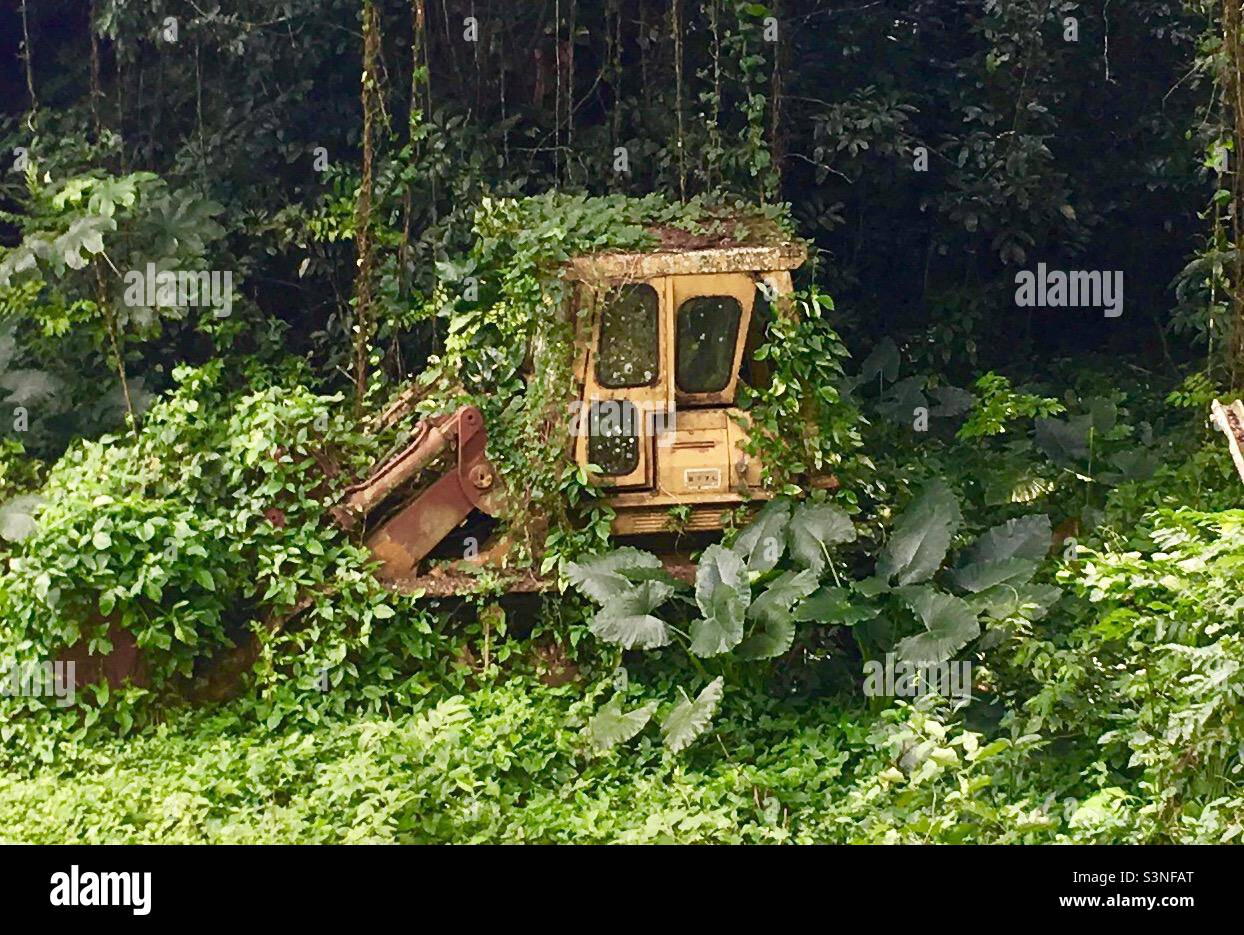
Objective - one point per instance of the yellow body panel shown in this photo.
(690, 444)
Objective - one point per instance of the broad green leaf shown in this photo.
(654, 574)
(870, 587)
(626, 619)
(611, 726)
(981, 576)
(951, 401)
(949, 625)
(1029, 601)
(689, 719)
(882, 361)
(723, 593)
(1102, 414)
(771, 640)
(719, 567)
(786, 590)
(1065, 441)
(771, 611)
(921, 536)
(721, 628)
(834, 605)
(814, 529)
(762, 543)
(1137, 464)
(601, 577)
(1023, 537)
(900, 401)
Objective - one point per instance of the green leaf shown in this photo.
(1065, 441)
(921, 536)
(762, 543)
(204, 577)
(834, 605)
(626, 619)
(1029, 601)
(101, 540)
(774, 638)
(654, 574)
(17, 519)
(610, 726)
(602, 577)
(949, 625)
(1023, 537)
(882, 362)
(814, 529)
(721, 628)
(1006, 554)
(689, 719)
(720, 568)
(984, 575)
(786, 590)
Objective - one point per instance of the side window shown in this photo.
(613, 437)
(707, 332)
(627, 355)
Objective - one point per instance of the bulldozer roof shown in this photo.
(674, 262)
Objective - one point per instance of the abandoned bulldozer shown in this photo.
(663, 341)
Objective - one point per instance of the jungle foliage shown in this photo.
(1032, 495)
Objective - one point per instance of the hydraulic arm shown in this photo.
(403, 539)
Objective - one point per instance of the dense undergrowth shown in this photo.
(1109, 713)
(1064, 532)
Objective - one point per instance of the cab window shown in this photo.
(707, 332)
(613, 439)
(627, 355)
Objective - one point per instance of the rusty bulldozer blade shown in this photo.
(405, 538)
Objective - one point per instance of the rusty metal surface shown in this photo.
(431, 437)
(406, 538)
(124, 663)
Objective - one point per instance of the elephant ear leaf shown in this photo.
(984, 575)
(949, 625)
(814, 529)
(723, 594)
(602, 577)
(762, 543)
(1006, 554)
(721, 627)
(921, 536)
(835, 605)
(775, 631)
(774, 638)
(689, 719)
(720, 568)
(611, 726)
(626, 619)
(1022, 537)
(1065, 441)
